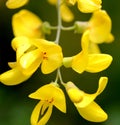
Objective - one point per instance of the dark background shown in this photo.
(16, 107)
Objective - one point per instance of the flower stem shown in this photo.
(59, 28)
(63, 28)
(59, 22)
(68, 28)
(59, 76)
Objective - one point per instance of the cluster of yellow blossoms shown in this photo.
(34, 51)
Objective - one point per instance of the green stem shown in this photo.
(59, 27)
(68, 28)
(60, 76)
(53, 27)
(59, 22)
(63, 28)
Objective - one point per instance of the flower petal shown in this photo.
(21, 45)
(79, 62)
(93, 112)
(66, 13)
(98, 62)
(93, 48)
(88, 6)
(36, 113)
(85, 41)
(30, 61)
(53, 58)
(75, 94)
(46, 116)
(26, 23)
(100, 26)
(110, 38)
(12, 64)
(72, 1)
(13, 77)
(21, 41)
(13, 4)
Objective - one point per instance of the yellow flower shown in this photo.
(30, 53)
(66, 13)
(98, 30)
(85, 103)
(36, 52)
(86, 61)
(100, 27)
(26, 23)
(15, 76)
(49, 95)
(13, 4)
(87, 6)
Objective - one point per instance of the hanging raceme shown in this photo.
(34, 50)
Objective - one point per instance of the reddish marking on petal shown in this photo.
(50, 100)
(45, 55)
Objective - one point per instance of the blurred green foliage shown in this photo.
(16, 107)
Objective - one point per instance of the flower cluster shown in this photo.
(33, 50)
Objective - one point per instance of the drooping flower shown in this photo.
(26, 23)
(85, 61)
(85, 103)
(100, 27)
(40, 51)
(13, 4)
(30, 54)
(49, 95)
(15, 76)
(66, 13)
(87, 6)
